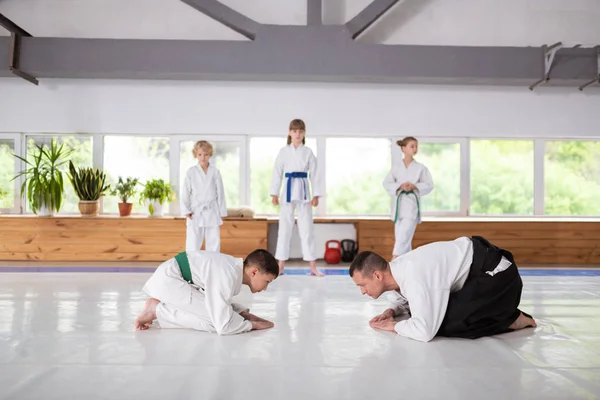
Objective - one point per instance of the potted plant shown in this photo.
(90, 185)
(156, 192)
(43, 179)
(125, 190)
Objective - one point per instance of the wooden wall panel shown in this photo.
(78, 238)
(531, 242)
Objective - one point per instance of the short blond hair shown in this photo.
(203, 144)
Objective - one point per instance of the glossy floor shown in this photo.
(69, 336)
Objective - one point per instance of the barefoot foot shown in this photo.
(313, 269)
(144, 320)
(523, 321)
(281, 267)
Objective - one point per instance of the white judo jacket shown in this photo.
(417, 174)
(295, 188)
(203, 195)
(217, 276)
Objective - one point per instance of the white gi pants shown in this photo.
(181, 305)
(404, 230)
(196, 234)
(305, 229)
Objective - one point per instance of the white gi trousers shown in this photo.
(305, 229)
(196, 234)
(404, 230)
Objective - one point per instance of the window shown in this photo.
(263, 152)
(572, 178)
(226, 158)
(7, 173)
(81, 155)
(502, 177)
(139, 157)
(356, 168)
(443, 162)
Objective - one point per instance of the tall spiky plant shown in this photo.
(89, 183)
(44, 183)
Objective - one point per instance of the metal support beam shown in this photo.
(296, 54)
(13, 59)
(227, 16)
(595, 81)
(368, 16)
(548, 58)
(314, 12)
(12, 27)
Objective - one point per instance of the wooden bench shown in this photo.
(530, 241)
(106, 238)
(111, 238)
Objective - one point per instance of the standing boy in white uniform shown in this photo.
(195, 290)
(406, 183)
(294, 166)
(203, 201)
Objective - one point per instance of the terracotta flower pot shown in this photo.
(125, 209)
(88, 208)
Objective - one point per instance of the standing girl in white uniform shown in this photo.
(203, 201)
(406, 183)
(296, 164)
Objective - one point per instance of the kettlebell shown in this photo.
(349, 250)
(333, 255)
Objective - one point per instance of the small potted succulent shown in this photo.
(125, 190)
(156, 192)
(90, 185)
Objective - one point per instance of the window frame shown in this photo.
(19, 166)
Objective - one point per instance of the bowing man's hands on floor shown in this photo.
(384, 321)
(384, 324)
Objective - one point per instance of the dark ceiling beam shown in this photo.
(226, 16)
(12, 50)
(299, 53)
(314, 12)
(12, 27)
(368, 16)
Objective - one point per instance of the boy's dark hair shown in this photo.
(367, 262)
(264, 261)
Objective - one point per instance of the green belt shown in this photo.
(184, 266)
(398, 203)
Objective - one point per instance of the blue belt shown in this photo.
(290, 176)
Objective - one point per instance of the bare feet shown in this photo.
(523, 321)
(313, 269)
(281, 266)
(144, 320)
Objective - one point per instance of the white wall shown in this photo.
(488, 23)
(266, 108)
